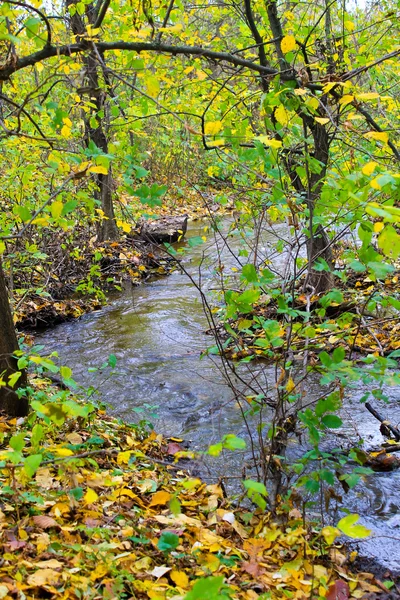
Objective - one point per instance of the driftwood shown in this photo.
(386, 426)
(163, 230)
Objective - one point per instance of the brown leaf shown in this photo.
(253, 568)
(15, 544)
(44, 522)
(338, 591)
(173, 448)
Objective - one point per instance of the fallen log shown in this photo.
(163, 230)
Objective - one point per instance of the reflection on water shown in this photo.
(156, 331)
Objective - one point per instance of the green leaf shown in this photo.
(332, 421)
(208, 588)
(175, 506)
(31, 464)
(255, 486)
(380, 269)
(112, 360)
(37, 434)
(76, 493)
(338, 355)
(215, 449)
(168, 541)
(12, 380)
(389, 242)
(65, 372)
(231, 442)
(249, 273)
(23, 213)
(17, 442)
(348, 527)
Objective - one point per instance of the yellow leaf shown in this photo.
(349, 25)
(381, 136)
(56, 209)
(288, 43)
(367, 96)
(160, 498)
(321, 121)
(300, 92)
(123, 457)
(124, 492)
(90, 497)
(99, 572)
(63, 452)
(213, 127)
(98, 169)
(282, 115)
(272, 143)
(44, 577)
(375, 184)
(124, 226)
(290, 386)
(219, 142)
(153, 86)
(173, 29)
(180, 578)
(43, 221)
(327, 88)
(66, 131)
(369, 168)
(67, 122)
(330, 534)
(346, 99)
(378, 226)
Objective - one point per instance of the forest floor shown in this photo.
(92, 507)
(76, 272)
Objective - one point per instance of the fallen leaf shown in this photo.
(44, 577)
(160, 498)
(338, 591)
(180, 578)
(44, 522)
(159, 571)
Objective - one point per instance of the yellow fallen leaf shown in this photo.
(99, 572)
(180, 578)
(90, 497)
(123, 457)
(44, 577)
(160, 498)
(63, 452)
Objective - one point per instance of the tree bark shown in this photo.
(10, 402)
(107, 229)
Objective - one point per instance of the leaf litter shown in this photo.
(104, 513)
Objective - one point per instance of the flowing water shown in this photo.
(157, 333)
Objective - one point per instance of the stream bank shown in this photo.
(156, 332)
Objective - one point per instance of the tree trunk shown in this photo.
(10, 403)
(318, 246)
(94, 126)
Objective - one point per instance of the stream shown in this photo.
(157, 333)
